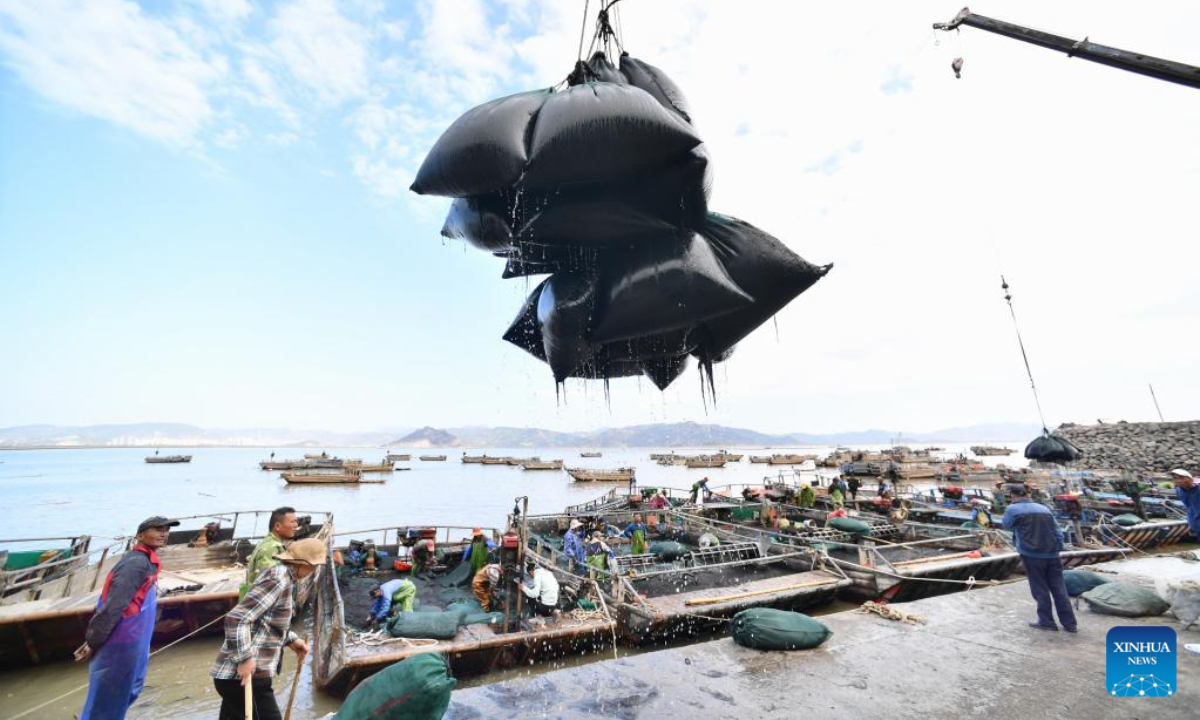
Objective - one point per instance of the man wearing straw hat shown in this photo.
(256, 631)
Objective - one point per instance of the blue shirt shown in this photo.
(383, 604)
(467, 553)
(573, 545)
(1191, 500)
(1035, 530)
(633, 527)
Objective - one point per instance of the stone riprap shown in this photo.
(1146, 447)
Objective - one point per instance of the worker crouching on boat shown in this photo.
(118, 635)
(542, 589)
(393, 596)
(484, 583)
(256, 630)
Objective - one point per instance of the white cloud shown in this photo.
(323, 49)
(225, 10)
(105, 58)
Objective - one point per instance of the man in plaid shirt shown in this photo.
(256, 631)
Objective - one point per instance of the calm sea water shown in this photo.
(107, 492)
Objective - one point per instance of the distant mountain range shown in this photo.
(661, 435)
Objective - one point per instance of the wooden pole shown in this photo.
(287, 714)
(755, 593)
(248, 699)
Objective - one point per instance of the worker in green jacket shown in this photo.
(836, 497)
(282, 529)
(636, 532)
(808, 496)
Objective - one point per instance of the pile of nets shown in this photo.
(604, 186)
(1051, 448)
(1125, 600)
(771, 629)
(414, 689)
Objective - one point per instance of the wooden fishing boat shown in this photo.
(989, 451)
(730, 457)
(669, 460)
(321, 478)
(493, 460)
(343, 655)
(433, 458)
(791, 459)
(319, 463)
(1143, 536)
(706, 461)
(590, 475)
(472, 459)
(658, 597)
(661, 456)
(517, 462)
(46, 620)
(399, 457)
(760, 459)
(591, 454)
(913, 470)
(169, 459)
(542, 465)
(383, 467)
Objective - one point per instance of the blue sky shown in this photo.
(204, 215)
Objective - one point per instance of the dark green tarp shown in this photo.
(669, 549)
(414, 689)
(1128, 520)
(771, 629)
(438, 626)
(850, 525)
(1080, 581)
(1125, 600)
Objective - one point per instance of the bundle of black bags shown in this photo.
(604, 186)
(1051, 448)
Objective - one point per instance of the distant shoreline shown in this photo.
(466, 448)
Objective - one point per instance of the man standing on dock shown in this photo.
(282, 528)
(118, 635)
(256, 631)
(1188, 494)
(1039, 540)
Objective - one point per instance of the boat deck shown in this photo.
(727, 597)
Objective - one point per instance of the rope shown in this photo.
(1033, 386)
(84, 686)
(891, 613)
(376, 638)
(583, 29)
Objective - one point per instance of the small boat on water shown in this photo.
(591, 454)
(590, 475)
(317, 463)
(472, 459)
(399, 457)
(791, 459)
(433, 458)
(730, 457)
(517, 462)
(494, 460)
(321, 478)
(706, 461)
(542, 465)
(169, 459)
(46, 607)
(669, 460)
(988, 451)
(345, 653)
(383, 467)
(760, 458)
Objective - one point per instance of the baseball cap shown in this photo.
(156, 521)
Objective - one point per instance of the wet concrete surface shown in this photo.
(976, 657)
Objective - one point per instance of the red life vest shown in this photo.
(135, 605)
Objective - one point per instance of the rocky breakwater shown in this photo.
(1137, 446)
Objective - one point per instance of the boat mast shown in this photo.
(1133, 62)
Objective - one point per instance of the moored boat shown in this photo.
(493, 460)
(383, 467)
(169, 459)
(433, 458)
(706, 461)
(592, 454)
(791, 459)
(344, 654)
(590, 475)
(542, 465)
(399, 457)
(760, 458)
(46, 620)
(331, 478)
(472, 459)
(989, 451)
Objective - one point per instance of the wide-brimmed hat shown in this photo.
(476, 532)
(310, 552)
(575, 523)
(1181, 473)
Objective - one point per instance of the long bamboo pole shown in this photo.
(755, 593)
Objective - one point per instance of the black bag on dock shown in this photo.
(771, 629)
(414, 689)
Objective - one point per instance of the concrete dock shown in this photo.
(976, 657)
